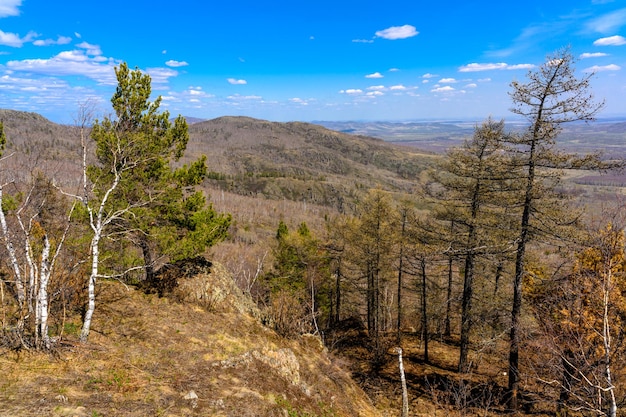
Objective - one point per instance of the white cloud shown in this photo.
(611, 41)
(446, 89)
(362, 41)
(520, 66)
(9, 7)
(484, 80)
(447, 80)
(90, 49)
(61, 40)
(66, 63)
(609, 22)
(471, 85)
(398, 87)
(601, 68)
(425, 81)
(592, 55)
(9, 82)
(374, 75)
(240, 97)
(14, 40)
(475, 67)
(394, 69)
(298, 100)
(397, 32)
(375, 93)
(161, 75)
(176, 64)
(235, 81)
(376, 87)
(429, 75)
(352, 91)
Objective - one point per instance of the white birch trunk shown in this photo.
(19, 285)
(42, 294)
(405, 395)
(606, 337)
(91, 286)
(97, 225)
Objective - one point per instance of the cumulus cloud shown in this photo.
(14, 40)
(611, 41)
(235, 81)
(176, 64)
(398, 87)
(374, 75)
(90, 49)
(447, 81)
(471, 85)
(10, 7)
(602, 68)
(300, 101)
(475, 67)
(161, 75)
(445, 89)
(61, 40)
(196, 92)
(375, 93)
(592, 55)
(352, 91)
(66, 63)
(397, 32)
(429, 75)
(376, 87)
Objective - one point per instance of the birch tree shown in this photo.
(582, 315)
(33, 238)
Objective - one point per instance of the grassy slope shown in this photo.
(147, 353)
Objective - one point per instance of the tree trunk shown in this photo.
(400, 266)
(147, 259)
(424, 311)
(19, 285)
(466, 317)
(447, 331)
(405, 396)
(91, 288)
(42, 295)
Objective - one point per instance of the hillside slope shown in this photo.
(301, 161)
(198, 351)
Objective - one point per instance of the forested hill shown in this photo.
(31, 133)
(301, 160)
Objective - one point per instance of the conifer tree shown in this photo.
(476, 182)
(134, 194)
(551, 96)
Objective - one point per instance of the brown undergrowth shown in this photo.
(156, 356)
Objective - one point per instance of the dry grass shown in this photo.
(150, 356)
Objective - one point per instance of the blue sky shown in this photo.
(304, 60)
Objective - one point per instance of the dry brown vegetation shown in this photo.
(148, 354)
(152, 355)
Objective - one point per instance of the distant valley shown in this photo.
(608, 135)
